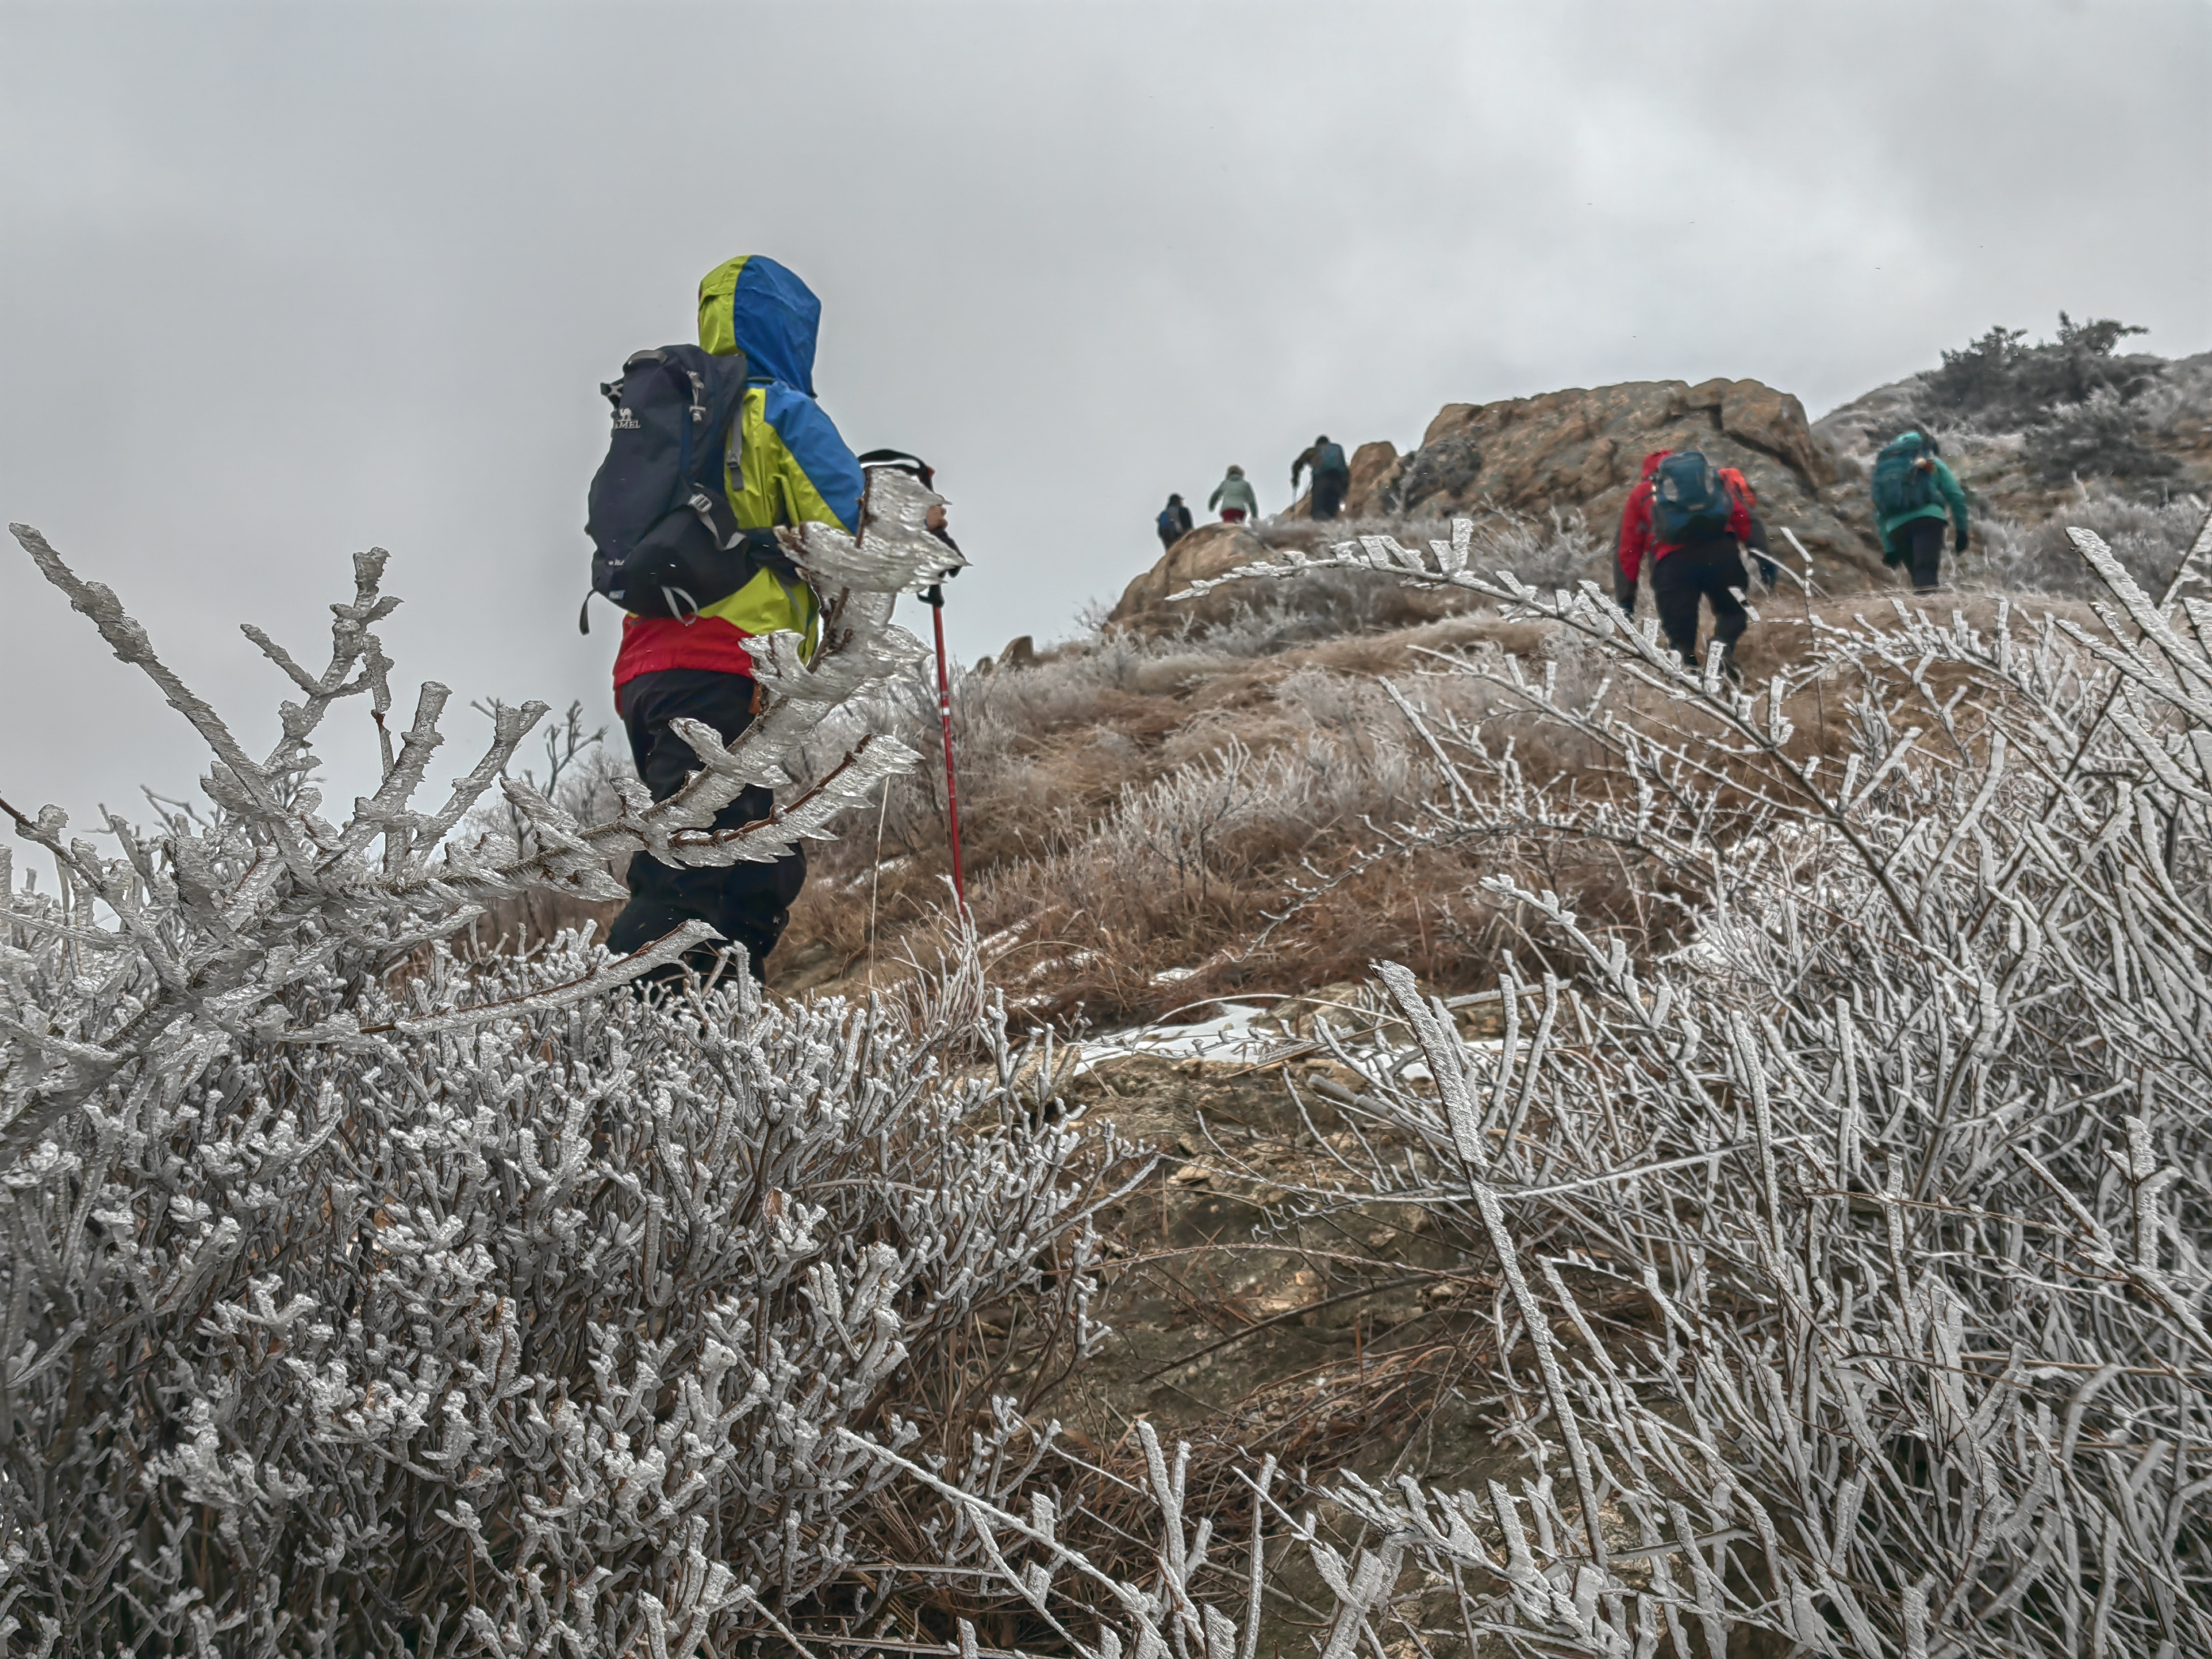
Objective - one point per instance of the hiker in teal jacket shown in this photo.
(1910, 512)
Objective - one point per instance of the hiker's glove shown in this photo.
(1625, 590)
(1958, 544)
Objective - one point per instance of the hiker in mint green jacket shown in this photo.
(1234, 496)
(1913, 493)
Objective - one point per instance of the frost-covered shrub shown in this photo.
(1553, 550)
(264, 919)
(536, 1330)
(2075, 409)
(1999, 382)
(2099, 437)
(1852, 1265)
(359, 1301)
(2147, 538)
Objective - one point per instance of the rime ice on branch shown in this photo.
(475, 1311)
(266, 918)
(1853, 1262)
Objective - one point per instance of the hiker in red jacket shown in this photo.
(1690, 520)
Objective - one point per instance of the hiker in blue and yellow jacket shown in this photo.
(791, 467)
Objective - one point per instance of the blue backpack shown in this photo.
(1903, 477)
(1688, 499)
(1329, 457)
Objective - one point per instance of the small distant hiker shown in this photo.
(1234, 496)
(1690, 521)
(1174, 522)
(779, 460)
(1332, 474)
(1914, 492)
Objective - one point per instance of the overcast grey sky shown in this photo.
(277, 282)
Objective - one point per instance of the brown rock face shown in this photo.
(1774, 422)
(1576, 451)
(1374, 467)
(1582, 450)
(1206, 551)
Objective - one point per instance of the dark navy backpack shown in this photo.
(664, 541)
(1688, 499)
(1329, 457)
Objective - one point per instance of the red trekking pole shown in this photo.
(933, 597)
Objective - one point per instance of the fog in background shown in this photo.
(277, 283)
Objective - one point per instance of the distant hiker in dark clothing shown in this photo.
(1234, 496)
(1690, 521)
(787, 464)
(1332, 474)
(1174, 522)
(1913, 493)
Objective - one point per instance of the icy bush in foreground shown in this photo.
(1851, 1266)
(357, 1302)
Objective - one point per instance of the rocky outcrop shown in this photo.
(1020, 652)
(1375, 468)
(1535, 452)
(1206, 551)
(1582, 450)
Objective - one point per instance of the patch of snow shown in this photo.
(1232, 1039)
(1228, 1040)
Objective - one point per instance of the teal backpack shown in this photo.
(1904, 477)
(1688, 500)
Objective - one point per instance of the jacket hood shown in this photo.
(751, 304)
(1651, 461)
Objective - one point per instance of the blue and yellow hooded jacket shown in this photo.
(791, 467)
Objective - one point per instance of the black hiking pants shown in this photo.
(1923, 542)
(747, 904)
(1705, 569)
(1328, 490)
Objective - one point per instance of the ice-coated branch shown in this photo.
(474, 1305)
(268, 921)
(1859, 1248)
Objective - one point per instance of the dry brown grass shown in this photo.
(1136, 812)
(1143, 815)
(1102, 892)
